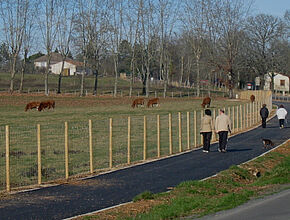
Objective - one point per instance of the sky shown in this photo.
(272, 7)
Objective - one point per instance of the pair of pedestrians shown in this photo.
(281, 115)
(222, 127)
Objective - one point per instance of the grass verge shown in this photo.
(227, 190)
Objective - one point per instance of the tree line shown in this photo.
(189, 41)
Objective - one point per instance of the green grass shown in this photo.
(199, 198)
(77, 111)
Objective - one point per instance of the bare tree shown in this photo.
(263, 30)
(14, 17)
(49, 17)
(64, 34)
(195, 26)
(167, 11)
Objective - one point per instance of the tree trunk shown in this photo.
(197, 77)
(96, 82)
(23, 70)
(13, 72)
(116, 77)
(46, 74)
(60, 77)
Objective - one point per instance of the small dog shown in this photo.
(267, 143)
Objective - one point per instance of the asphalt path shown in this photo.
(274, 207)
(102, 191)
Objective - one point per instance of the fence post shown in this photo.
(111, 143)
(195, 132)
(91, 146)
(170, 132)
(145, 139)
(188, 129)
(241, 117)
(214, 117)
(179, 132)
(38, 155)
(66, 149)
(201, 115)
(233, 118)
(158, 135)
(250, 114)
(238, 118)
(8, 187)
(129, 141)
(247, 108)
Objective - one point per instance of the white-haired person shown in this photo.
(281, 115)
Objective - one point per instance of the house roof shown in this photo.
(56, 58)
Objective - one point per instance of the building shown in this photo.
(281, 82)
(71, 67)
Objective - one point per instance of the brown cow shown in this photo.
(206, 102)
(32, 105)
(137, 102)
(153, 102)
(46, 104)
(252, 98)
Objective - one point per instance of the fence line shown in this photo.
(83, 153)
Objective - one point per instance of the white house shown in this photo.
(281, 82)
(71, 67)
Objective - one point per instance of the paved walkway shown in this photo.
(274, 207)
(121, 186)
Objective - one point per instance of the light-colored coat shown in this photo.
(223, 123)
(281, 113)
(207, 124)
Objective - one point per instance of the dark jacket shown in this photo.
(264, 112)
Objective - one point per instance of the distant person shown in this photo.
(264, 113)
(281, 115)
(223, 127)
(206, 129)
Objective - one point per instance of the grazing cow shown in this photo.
(153, 102)
(32, 105)
(252, 98)
(137, 102)
(46, 104)
(206, 102)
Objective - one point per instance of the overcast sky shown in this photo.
(273, 7)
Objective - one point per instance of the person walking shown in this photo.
(264, 113)
(206, 129)
(281, 115)
(223, 127)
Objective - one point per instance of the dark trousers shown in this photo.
(206, 140)
(281, 122)
(223, 139)
(264, 122)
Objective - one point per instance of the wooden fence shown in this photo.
(44, 153)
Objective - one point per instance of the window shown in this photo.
(282, 82)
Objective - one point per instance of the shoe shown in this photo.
(205, 151)
(224, 150)
(219, 150)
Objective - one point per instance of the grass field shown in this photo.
(77, 111)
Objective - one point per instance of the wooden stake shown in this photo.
(38, 155)
(66, 149)
(145, 139)
(195, 130)
(233, 118)
(179, 132)
(170, 133)
(111, 144)
(238, 125)
(91, 146)
(129, 141)
(8, 187)
(158, 136)
(188, 129)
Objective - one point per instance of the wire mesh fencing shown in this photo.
(36, 154)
